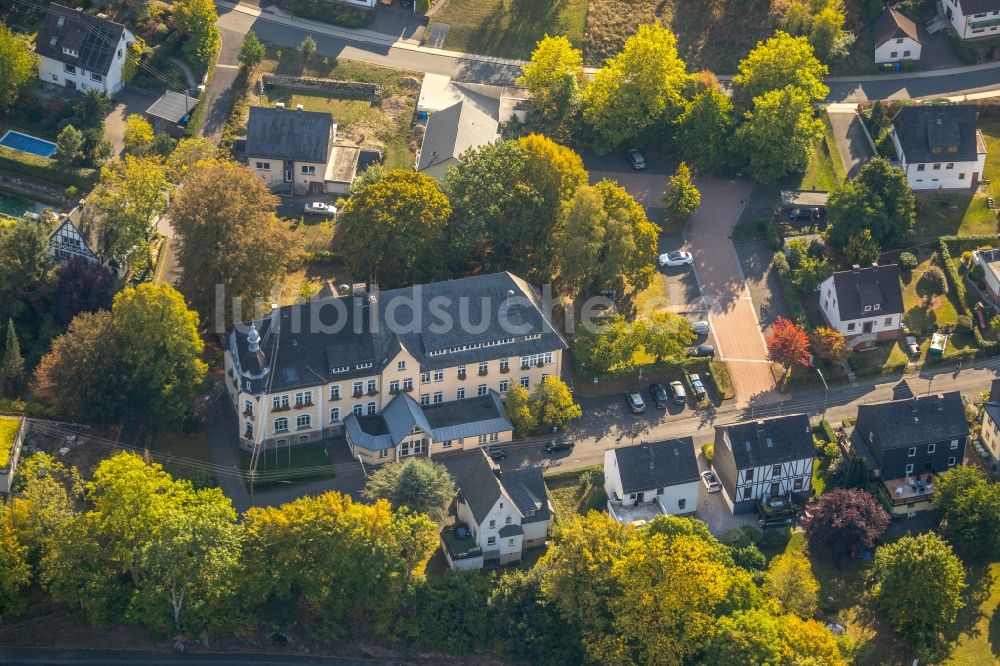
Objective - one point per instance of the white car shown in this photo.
(676, 259)
(711, 481)
(318, 208)
(700, 327)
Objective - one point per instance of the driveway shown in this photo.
(219, 94)
(645, 186)
(852, 143)
(400, 23)
(127, 102)
(762, 281)
(739, 341)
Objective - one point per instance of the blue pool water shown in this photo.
(28, 144)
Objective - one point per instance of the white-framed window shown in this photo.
(949, 165)
(359, 388)
(446, 444)
(335, 392)
(482, 439)
(951, 461)
(358, 409)
(510, 542)
(460, 394)
(493, 524)
(484, 367)
(888, 321)
(461, 372)
(308, 170)
(248, 429)
(394, 386)
(494, 437)
(425, 399)
(507, 520)
(303, 398)
(247, 386)
(439, 375)
(681, 504)
(401, 365)
(504, 386)
(932, 447)
(911, 452)
(371, 385)
(303, 421)
(776, 470)
(371, 408)
(868, 308)
(408, 384)
(383, 453)
(69, 69)
(281, 424)
(425, 378)
(909, 469)
(438, 397)
(505, 363)
(491, 541)
(850, 327)
(797, 485)
(334, 414)
(481, 389)
(526, 382)
(954, 444)
(263, 166)
(94, 76)
(279, 402)
(248, 407)
(920, 167)
(961, 176)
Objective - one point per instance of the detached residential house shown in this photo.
(461, 116)
(972, 19)
(755, 460)
(295, 375)
(939, 146)
(865, 304)
(906, 442)
(895, 38)
(651, 479)
(82, 51)
(404, 428)
(990, 262)
(990, 432)
(505, 513)
(295, 151)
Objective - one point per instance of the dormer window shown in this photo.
(60, 22)
(876, 306)
(53, 40)
(868, 308)
(69, 52)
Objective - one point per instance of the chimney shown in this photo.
(651, 463)
(940, 402)
(855, 268)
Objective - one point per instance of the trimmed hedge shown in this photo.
(719, 372)
(43, 168)
(828, 432)
(955, 282)
(960, 244)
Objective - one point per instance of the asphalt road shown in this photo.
(83, 657)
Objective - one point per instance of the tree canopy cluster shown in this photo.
(615, 344)
(645, 96)
(548, 407)
(873, 210)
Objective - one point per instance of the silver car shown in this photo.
(700, 327)
(711, 481)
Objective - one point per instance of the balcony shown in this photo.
(909, 490)
(334, 398)
(358, 394)
(526, 366)
(281, 408)
(461, 376)
(248, 413)
(372, 392)
(483, 373)
(504, 369)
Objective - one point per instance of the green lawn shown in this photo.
(920, 313)
(509, 28)
(887, 357)
(569, 495)
(825, 170)
(981, 643)
(289, 458)
(344, 111)
(8, 432)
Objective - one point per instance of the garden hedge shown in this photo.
(43, 168)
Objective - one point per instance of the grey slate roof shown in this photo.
(172, 106)
(471, 417)
(922, 128)
(480, 486)
(903, 423)
(876, 285)
(978, 6)
(769, 441)
(893, 25)
(993, 409)
(95, 40)
(286, 134)
(511, 530)
(657, 464)
(305, 343)
(450, 132)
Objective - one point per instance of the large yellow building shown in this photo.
(295, 375)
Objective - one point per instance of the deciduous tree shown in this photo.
(129, 198)
(787, 344)
(758, 637)
(552, 404)
(641, 86)
(777, 63)
(15, 572)
(970, 507)
(189, 151)
(920, 583)
(681, 197)
(419, 484)
(158, 343)
(861, 248)
(609, 346)
(82, 286)
(879, 199)
(581, 238)
(12, 368)
(196, 19)
(307, 47)
(827, 29)
(139, 135)
(227, 234)
(518, 404)
(69, 143)
(830, 344)
(777, 134)
(790, 580)
(394, 230)
(251, 51)
(630, 239)
(553, 76)
(845, 521)
(704, 130)
(664, 335)
(17, 66)
(23, 247)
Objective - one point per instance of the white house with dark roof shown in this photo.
(405, 428)
(651, 479)
(82, 51)
(296, 151)
(311, 364)
(865, 304)
(939, 146)
(506, 514)
(896, 37)
(973, 19)
(772, 457)
(990, 432)
(989, 260)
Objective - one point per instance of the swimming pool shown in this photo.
(27, 143)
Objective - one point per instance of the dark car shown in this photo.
(635, 402)
(678, 393)
(497, 452)
(559, 444)
(702, 350)
(636, 159)
(697, 386)
(804, 214)
(659, 393)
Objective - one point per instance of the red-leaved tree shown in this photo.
(844, 521)
(788, 344)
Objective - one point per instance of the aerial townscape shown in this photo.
(557, 332)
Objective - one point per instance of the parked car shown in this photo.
(635, 402)
(697, 386)
(678, 393)
(700, 327)
(559, 444)
(496, 452)
(636, 159)
(912, 347)
(711, 481)
(660, 397)
(804, 214)
(702, 350)
(319, 208)
(676, 259)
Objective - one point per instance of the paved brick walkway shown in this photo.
(739, 341)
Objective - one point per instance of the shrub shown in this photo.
(780, 264)
(933, 281)
(708, 450)
(723, 381)
(955, 282)
(977, 273)
(964, 323)
(907, 261)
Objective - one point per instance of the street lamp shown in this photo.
(826, 393)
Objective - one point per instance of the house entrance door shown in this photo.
(866, 327)
(775, 489)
